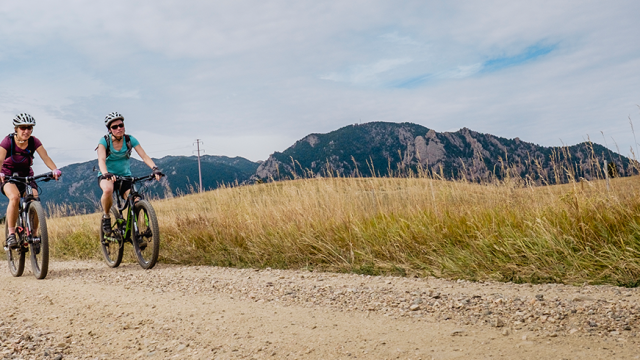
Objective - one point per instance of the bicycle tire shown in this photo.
(112, 251)
(147, 231)
(15, 257)
(39, 251)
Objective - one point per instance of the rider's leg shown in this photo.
(125, 189)
(107, 196)
(35, 222)
(125, 195)
(141, 241)
(107, 201)
(13, 194)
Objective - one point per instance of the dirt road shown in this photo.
(85, 310)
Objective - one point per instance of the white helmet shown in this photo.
(112, 117)
(24, 119)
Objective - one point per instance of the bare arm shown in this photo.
(3, 155)
(45, 157)
(143, 155)
(102, 159)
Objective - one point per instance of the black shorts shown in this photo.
(119, 186)
(22, 187)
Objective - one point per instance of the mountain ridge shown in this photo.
(370, 149)
(384, 149)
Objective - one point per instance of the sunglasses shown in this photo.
(121, 125)
(25, 128)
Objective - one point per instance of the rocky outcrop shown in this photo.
(383, 149)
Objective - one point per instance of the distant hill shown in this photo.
(78, 186)
(380, 148)
(384, 148)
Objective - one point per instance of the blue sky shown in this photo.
(250, 78)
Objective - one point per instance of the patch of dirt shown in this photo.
(85, 310)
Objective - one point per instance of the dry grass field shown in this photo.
(573, 233)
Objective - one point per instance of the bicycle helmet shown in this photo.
(24, 119)
(112, 117)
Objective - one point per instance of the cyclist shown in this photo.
(114, 151)
(20, 147)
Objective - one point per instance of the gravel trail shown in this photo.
(85, 310)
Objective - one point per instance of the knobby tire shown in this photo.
(15, 257)
(112, 251)
(39, 251)
(146, 231)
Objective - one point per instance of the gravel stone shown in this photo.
(539, 310)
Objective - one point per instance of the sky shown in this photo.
(249, 78)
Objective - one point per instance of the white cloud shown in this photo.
(366, 74)
(249, 71)
(399, 39)
(460, 72)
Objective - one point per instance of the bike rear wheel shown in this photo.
(112, 246)
(39, 244)
(146, 234)
(15, 257)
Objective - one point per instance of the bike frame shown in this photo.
(128, 204)
(25, 202)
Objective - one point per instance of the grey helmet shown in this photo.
(111, 117)
(24, 119)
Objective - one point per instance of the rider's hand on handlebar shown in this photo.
(2, 178)
(56, 173)
(158, 174)
(109, 176)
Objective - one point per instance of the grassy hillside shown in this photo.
(567, 233)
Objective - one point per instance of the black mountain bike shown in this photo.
(31, 231)
(140, 228)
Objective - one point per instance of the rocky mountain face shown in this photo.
(384, 149)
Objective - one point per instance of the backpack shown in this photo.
(127, 141)
(28, 153)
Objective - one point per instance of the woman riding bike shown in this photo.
(114, 151)
(16, 154)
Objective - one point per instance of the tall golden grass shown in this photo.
(508, 231)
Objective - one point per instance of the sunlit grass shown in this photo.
(418, 226)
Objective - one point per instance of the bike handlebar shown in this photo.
(27, 179)
(134, 179)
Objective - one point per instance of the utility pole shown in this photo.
(198, 142)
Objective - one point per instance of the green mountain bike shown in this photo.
(31, 230)
(140, 228)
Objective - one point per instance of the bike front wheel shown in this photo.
(15, 257)
(39, 244)
(112, 246)
(146, 234)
